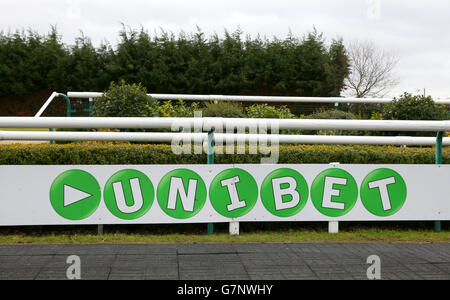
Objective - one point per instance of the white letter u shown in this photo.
(138, 202)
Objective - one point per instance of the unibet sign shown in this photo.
(181, 194)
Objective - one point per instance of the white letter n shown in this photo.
(177, 188)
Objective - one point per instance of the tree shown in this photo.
(371, 71)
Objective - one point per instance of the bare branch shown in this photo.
(371, 73)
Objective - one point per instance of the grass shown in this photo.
(359, 235)
(24, 129)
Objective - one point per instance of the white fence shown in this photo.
(215, 123)
(280, 99)
(220, 125)
(167, 137)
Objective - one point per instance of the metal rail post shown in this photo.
(68, 109)
(438, 161)
(210, 161)
(89, 109)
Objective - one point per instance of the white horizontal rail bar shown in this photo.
(46, 104)
(282, 99)
(222, 123)
(219, 138)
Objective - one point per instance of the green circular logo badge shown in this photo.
(75, 195)
(129, 194)
(334, 192)
(284, 192)
(233, 193)
(181, 193)
(383, 192)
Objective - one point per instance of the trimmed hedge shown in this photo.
(92, 154)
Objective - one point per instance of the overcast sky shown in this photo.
(415, 30)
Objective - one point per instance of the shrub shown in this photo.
(179, 110)
(410, 107)
(265, 111)
(376, 116)
(365, 110)
(223, 109)
(332, 114)
(86, 154)
(124, 100)
(418, 107)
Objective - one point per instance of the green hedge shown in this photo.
(83, 154)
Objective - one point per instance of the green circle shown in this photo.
(187, 177)
(286, 178)
(339, 204)
(372, 197)
(245, 186)
(82, 184)
(122, 204)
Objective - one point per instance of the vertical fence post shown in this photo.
(89, 109)
(210, 161)
(91, 105)
(438, 161)
(51, 141)
(69, 107)
(99, 229)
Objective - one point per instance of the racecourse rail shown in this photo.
(211, 123)
(280, 99)
(167, 137)
(220, 125)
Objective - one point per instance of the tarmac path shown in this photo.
(256, 261)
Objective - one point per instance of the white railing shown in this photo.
(46, 104)
(167, 137)
(221, 125)
(169, 123)
(280, 99)
(211, 123)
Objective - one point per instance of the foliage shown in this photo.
(178, 110)
(28, 61)
(164, 63)
(90, 130)
(85, 154)
(268, 112)
(223, 109)
(332, 114)
(124, 100)
(376, 116)
(414, 107)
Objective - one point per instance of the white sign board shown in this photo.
(158, 194)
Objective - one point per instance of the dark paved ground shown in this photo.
(228, 261)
